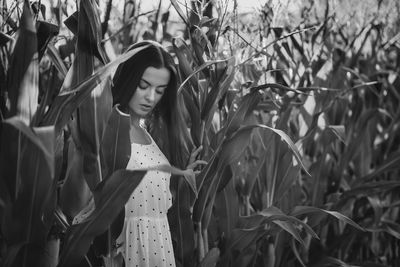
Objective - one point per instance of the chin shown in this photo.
(143, 113)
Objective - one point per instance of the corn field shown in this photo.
(298, 114)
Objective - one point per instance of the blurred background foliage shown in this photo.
(296, 104)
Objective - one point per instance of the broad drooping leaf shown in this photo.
(180, 220)
(200, 68)
(248, 230)
(5, 38)
(91, 116)
(288, 223)
(234, 120)
(226, 176)
(110, 196)
(186, 62)
(115, 152)
(228, 151)
(55, 58)
(28, 217)
(231, 150)
(193, 109)
(45, 33)
(304, 210)
(23, 73)
(253, 173)
(75, 193)
(211, 258)
(227, 209)
(219, 89)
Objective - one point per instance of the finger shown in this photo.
(200, 162)
(196, 152)
(196, 163)
(200, 147)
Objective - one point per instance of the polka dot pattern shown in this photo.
(146, 237)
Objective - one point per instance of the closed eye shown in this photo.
(143, 84)
(160, 91)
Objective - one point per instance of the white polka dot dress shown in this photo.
(146, 237)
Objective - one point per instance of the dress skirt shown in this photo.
(146, 239)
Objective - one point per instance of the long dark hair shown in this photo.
(165, 123)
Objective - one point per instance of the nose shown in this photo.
(151, 93)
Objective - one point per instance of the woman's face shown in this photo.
(149, 91)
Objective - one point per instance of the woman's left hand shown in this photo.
(190, 173)
(193, 162)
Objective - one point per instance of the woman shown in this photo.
(145, 87)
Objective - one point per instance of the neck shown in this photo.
(135, 120)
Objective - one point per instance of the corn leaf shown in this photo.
(391, 228)
(75, 193)
(194, 113)
(180, 12)
(185, 59)
(249, 230)
(227, 209)
(225, 176)
(230, 151)
(47, 149)
(10, 139)
(12, 253)
(110, 196)
(392, 163)
(287, 223)
(35, 198)
(200, 68)
(181, 224)
(93, 113)
(339, 131)
(330, 261)
(23, 73)
(236, 117)
(5, 38)
(354, 144)
(285, 138)
(253, 174)
(55, 58)
(211, 258)
(296, 252)
(286, 180)
(115, 152)
(303, 210)
(200, 43)
(368, 189)
(45, 33)
(217, 91)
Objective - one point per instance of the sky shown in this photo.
(243, 5)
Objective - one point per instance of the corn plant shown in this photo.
(272, 180)
(208, 93)
(33, 143)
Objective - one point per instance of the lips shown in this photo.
(146, 107)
